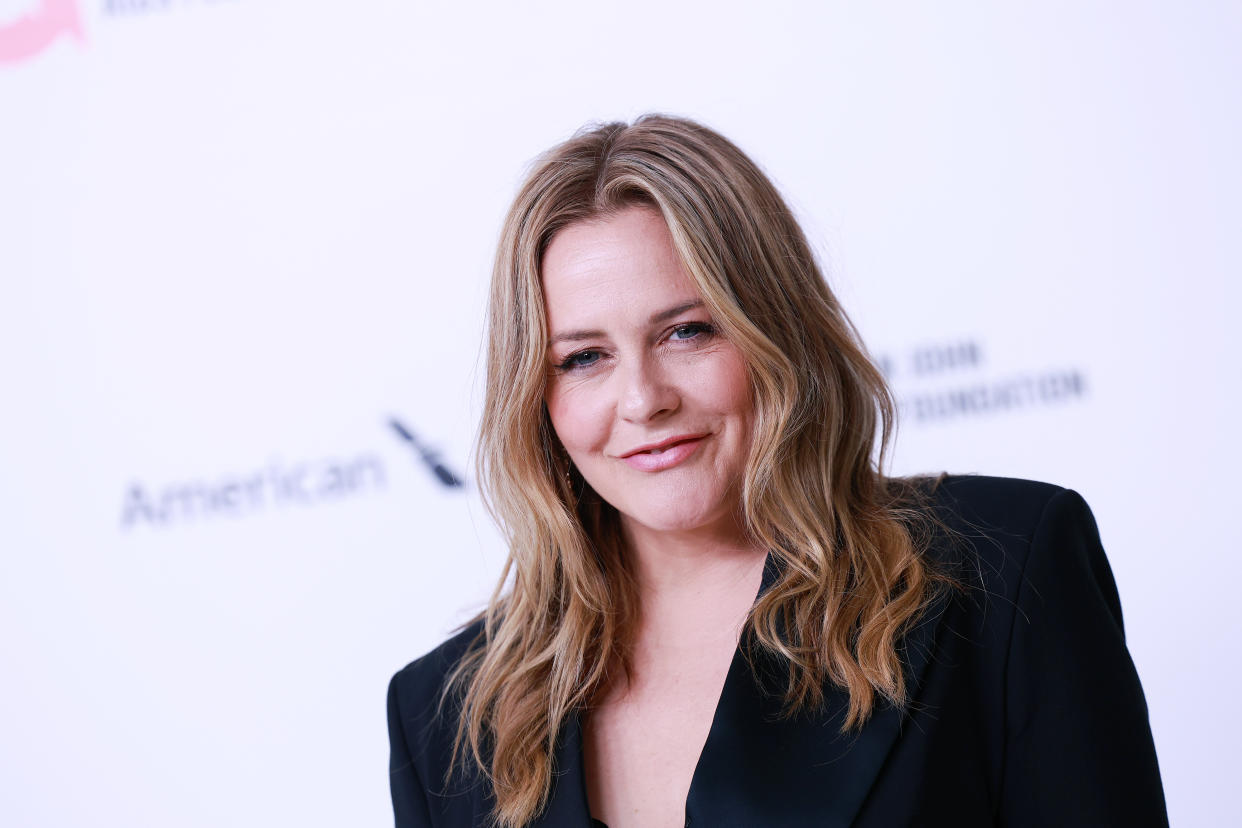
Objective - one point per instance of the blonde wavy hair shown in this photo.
(847, 540)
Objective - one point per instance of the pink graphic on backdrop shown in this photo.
(26, 36)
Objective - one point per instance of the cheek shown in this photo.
(575, 419)
(739, 391)
(727, 385)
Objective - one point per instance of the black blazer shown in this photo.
(1026, 708)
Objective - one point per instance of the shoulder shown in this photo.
(1004, 504)
(425, 676)
(1074, 719)
(999, 531)
(416, 701)
(1005, 510)
(422, 727)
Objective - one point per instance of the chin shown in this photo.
(685, 518)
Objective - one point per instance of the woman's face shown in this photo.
(652, 404)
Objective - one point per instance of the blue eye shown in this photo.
(691, 330)
(581, 359)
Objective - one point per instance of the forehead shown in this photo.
(613, 270)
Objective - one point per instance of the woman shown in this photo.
(721, 612)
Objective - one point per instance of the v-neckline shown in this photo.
(737, 663)
(759, 766)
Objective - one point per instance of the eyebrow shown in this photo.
(656, 319)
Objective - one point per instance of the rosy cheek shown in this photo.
(572, 419)
(559, 422)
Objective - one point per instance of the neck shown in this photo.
(674, 565)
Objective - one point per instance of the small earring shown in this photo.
(569, 467)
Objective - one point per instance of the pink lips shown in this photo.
(664, 454)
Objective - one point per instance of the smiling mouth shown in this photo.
(659, 448)
(665, 454)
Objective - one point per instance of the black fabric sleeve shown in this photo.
(409, 798)
(1079, 748)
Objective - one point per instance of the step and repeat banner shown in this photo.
(244, 247)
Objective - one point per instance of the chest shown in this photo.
(642, 744)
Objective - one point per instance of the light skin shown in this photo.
(654, 407)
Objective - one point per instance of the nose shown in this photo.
(646, 392)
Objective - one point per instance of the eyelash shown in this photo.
(699, 329)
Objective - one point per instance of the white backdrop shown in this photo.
(238, 236)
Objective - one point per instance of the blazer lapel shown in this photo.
(759, 768)
(567, 805)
